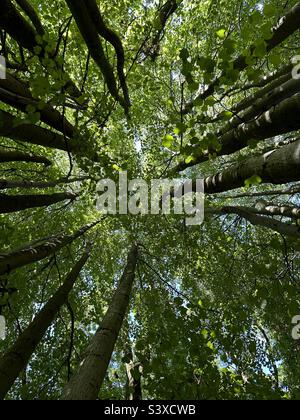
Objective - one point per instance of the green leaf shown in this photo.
(168, 141)
(254, 180)
(221, 33)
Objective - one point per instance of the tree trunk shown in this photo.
(33, 16)
(15, 156)
(15, 203)
(17, 94)
(17, 357)
(268, 193)
(25, 35)
(87, 381)
(287, 25)
(91, 37)
(18, 28)
(38, 250)
(261, 105)
(267, 84)
(282, 119)
(277, 167)
(12, 128)
(133, 373)
(5, 184)
(269, 209)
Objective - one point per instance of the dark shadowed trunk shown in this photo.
(17, 357)
(38, 250)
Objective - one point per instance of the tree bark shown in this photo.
(112, 37)
(15, 203)
(38, 250)
(133, 385)
(15, 156)
(87, 381)
(261, 105)
(5, 184)
(91, 37)
(25, 34)
(266, 85)
(257, 220)
(281, 119)
(270, 209)
(33, 16)
(279, 166)
(287, 25)
(16, 94)
(287, 191)
(15, 129)
(17, 357)
(18, 28)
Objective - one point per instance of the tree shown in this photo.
(16, 358)
(86, 382)
(163, 90)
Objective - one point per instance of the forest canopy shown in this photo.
(123, 306)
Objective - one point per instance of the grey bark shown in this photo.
(276, 167)
(86, 382)
(38, 250)
(257, 220)
(6, 184)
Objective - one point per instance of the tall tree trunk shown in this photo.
(15, 156)
(281, 119)
(14, 203)
(33, 16)
(91, 37)
(261, 105)
(287, 25)
(16, 94)
(12, 128)
(38, 250)
(25, 34)
(5, 184)
(17, 357)
(133, 373)
(18, 27)
(267, 84)
(277, 167)
(270, 209)
(111, 36)
(280, 227)
(87, 381)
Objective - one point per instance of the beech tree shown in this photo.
(155, 308)
(15, 359)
